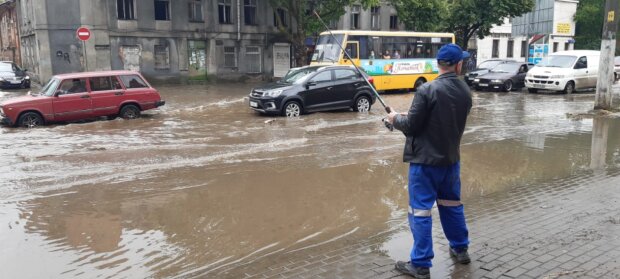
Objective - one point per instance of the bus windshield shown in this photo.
(328, 49)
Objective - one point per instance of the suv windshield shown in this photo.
(50, 88)
(327, 49)
(297, 75)
(489, 64)
(506, 68)
(558, 61)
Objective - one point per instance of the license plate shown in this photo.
(253, 104)
(471, 78)
(483, 85)
(16, 82)
(538, 85)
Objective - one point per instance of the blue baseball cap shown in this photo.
(451, 54)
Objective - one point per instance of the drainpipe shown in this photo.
(238, 20)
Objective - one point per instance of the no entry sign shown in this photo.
(83, 34)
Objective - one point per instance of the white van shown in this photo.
(565, 71)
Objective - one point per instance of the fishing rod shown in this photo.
(346, 53)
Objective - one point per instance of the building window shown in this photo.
(394, 22)
(162, 57)
(510, 49)
(224, 8)
(195, 10)
(249, 11)
(230, 57)
(125, 9)
(355, 17)
(253, 59)
(374, 17)
(495, 52)
(555, 46)
(566, 46)
(162, 10)
(282, 15)
(523, 48)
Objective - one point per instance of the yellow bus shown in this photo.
(395, 60)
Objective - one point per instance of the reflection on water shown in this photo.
(204, 185)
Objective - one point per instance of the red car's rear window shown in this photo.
(133, 81)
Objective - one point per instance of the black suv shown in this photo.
(12, 76)
(314, 88)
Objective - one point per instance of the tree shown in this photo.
(421, 15)
(304, 22)
(589, 21)
(467, 18)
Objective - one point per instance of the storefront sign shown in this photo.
(563, 28)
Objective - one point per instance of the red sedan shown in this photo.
(78, 96)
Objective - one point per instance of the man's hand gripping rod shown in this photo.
(374, 91)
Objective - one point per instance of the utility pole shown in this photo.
(604, 86)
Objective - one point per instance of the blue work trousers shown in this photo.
(427, 185)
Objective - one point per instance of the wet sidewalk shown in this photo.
(569, 228)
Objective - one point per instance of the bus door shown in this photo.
(353, 48)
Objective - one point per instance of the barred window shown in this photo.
(253, 59)
(162, 57)
(230, 57)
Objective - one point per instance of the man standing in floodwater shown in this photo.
(434, 127)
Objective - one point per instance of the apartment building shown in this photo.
(164, 39)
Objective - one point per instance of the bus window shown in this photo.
(352, 50)
(327, 48)
(364, 46)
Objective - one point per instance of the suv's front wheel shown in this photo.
(362, 104)
(292, 109)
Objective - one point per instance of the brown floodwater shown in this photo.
(204, 185)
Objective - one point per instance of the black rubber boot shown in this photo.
(461, 257)
(415, 272)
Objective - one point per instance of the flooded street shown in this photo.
(204, 187)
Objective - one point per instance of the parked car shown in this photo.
(314, 88)
(506, 77)
(484, 68)
(617, 68)
(12, 76)
(72, 97)
(565, 71)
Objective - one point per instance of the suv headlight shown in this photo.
(477, 80)
(273, 93)
(557, 76)
(27, 77)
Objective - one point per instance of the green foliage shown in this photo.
(306, 23)
(589, 19)
(467, 18)
(421, 15)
